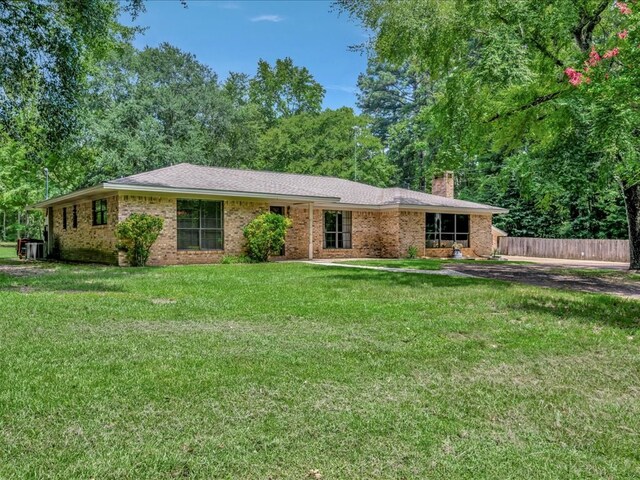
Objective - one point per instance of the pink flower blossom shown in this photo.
(575, 77)
(611, 53)
(594, 58)
(624, 8)
(623, 34)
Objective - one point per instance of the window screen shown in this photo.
(200, 225)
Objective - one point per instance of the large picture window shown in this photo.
(99, 209)
(337, 229)
(200, 225)
(445, 229)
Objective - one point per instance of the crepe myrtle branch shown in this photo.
(534, 103)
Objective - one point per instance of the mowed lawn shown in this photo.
(293, 371)
(424, 263)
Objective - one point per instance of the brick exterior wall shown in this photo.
(237, 214)
(87, 243)
(481, 235)
(385, 234)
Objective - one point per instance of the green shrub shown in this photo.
(265, 235)
(136, 235)
(412, 252)
(230, 259)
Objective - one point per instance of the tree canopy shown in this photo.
(285, 90)
(519, 79)
(334, 142)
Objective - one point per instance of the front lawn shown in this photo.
(291, 370)
(422, 263)
(599, 273)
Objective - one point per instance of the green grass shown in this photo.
(274, 370)
(420, 263)
(7, 251)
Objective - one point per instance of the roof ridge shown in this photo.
(148, 171)
(270, 171)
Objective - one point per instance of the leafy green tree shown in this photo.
(515, 77)
(236, 87)
(159, 107)
(48, 49)
(390, 94)
(284, 90)
(334, 142)
(392, 97)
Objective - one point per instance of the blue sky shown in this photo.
(233, 35)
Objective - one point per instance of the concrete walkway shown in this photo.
(444, 272)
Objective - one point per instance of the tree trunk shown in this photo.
(632, 202)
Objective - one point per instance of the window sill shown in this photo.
(200, 250)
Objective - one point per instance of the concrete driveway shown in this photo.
(565, 263)
(553, 273)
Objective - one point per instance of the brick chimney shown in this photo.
(442, 185)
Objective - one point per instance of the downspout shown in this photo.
(311, 231)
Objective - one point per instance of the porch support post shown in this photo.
(311, 231)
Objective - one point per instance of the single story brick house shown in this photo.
(205, 209)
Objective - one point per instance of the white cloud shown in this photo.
(267, 18)
(342, 88)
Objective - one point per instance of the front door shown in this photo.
(280, 211)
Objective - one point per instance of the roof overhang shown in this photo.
(146, 189)
(487, 210)
(68, 197)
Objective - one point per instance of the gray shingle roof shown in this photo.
(188, 176)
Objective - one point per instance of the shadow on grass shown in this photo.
(597, 309)
(418, 280)
(592, 308)
(48, 277)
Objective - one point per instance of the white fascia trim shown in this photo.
(217, 193)
(421, 208)
(178, 191)
(69, 196)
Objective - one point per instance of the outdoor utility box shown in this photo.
(35, 250)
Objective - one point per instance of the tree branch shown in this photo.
(583, 32)
(522, 108)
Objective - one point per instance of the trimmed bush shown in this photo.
(265, 235)
(136, 235)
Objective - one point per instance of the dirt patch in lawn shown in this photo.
(20, 269)
(544, 276)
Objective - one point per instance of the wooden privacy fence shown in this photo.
(578, 249)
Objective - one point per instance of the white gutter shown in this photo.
(109, 187)
(68, 196)
(424, 208)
